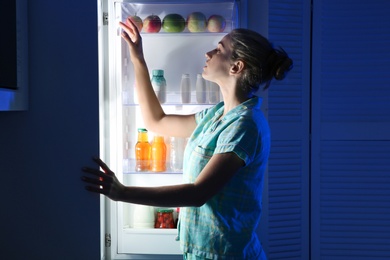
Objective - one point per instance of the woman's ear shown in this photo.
(237, 67)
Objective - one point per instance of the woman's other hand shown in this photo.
(103, 182)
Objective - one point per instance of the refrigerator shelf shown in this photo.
(173, 98)
(156, 231)
(144, 9)
(178, 106)
(129, 168)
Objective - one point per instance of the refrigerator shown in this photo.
(176, 53)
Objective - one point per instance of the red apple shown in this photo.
(216, 23)
(196, 22)
(152, 24)
(136, 20)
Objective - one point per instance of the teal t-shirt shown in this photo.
(225, 226)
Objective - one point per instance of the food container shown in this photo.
(143, 216)
(164, 219)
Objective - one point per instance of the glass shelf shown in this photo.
(173, 98)
(158, 231)
(129, 166)
(226, 9)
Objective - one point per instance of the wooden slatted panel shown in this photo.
(288, 175)
(355, 80)
(351, 130)
(286, 24)
(355, 199)
(287, 217)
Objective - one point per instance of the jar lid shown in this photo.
(158, 72)
(142, 130)
(165, 210)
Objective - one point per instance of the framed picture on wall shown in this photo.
(13, 55)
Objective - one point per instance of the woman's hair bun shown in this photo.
(280, 63)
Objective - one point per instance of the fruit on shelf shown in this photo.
(152, 24)
(216, 23)
(136, 20)
(196, 22)
(173, 23)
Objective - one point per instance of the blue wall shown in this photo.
(45, 211)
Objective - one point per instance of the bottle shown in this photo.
(143, 151)
(201, 91)
(177, 217)
(159, 153)
(177, 146)
(213, 90)
(159, 85)
(185, 89)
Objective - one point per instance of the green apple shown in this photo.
(196, 22)
(173, 23)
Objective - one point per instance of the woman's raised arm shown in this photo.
(153, 115)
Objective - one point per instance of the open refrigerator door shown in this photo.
(178, 52)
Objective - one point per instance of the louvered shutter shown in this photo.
(351, 130)
(287, 214)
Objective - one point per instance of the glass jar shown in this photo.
(164, 219)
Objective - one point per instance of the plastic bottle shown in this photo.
(214, 94)
(201, 91)
(176, 145)
(177, 217)
(159, 154)
(143, 151)
(159, 85)
(185, 89)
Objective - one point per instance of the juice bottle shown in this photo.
(143, 151)
(159, 154)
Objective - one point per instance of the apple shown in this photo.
(216, 23)
(196, 22)
(136, 20)
(173, 23)
(152, 24)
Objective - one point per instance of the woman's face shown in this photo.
(218, 61)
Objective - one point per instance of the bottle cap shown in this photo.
(158, 72)
(142, 130)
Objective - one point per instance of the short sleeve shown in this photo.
(240, 137)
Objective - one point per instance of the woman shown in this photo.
(226, 155)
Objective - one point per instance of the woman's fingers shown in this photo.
(93, 171)
(130, 31)
(104, 166)
(97, 190)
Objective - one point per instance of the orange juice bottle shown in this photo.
(159, 154)
(143, 151)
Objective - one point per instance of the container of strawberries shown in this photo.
(164, 219)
